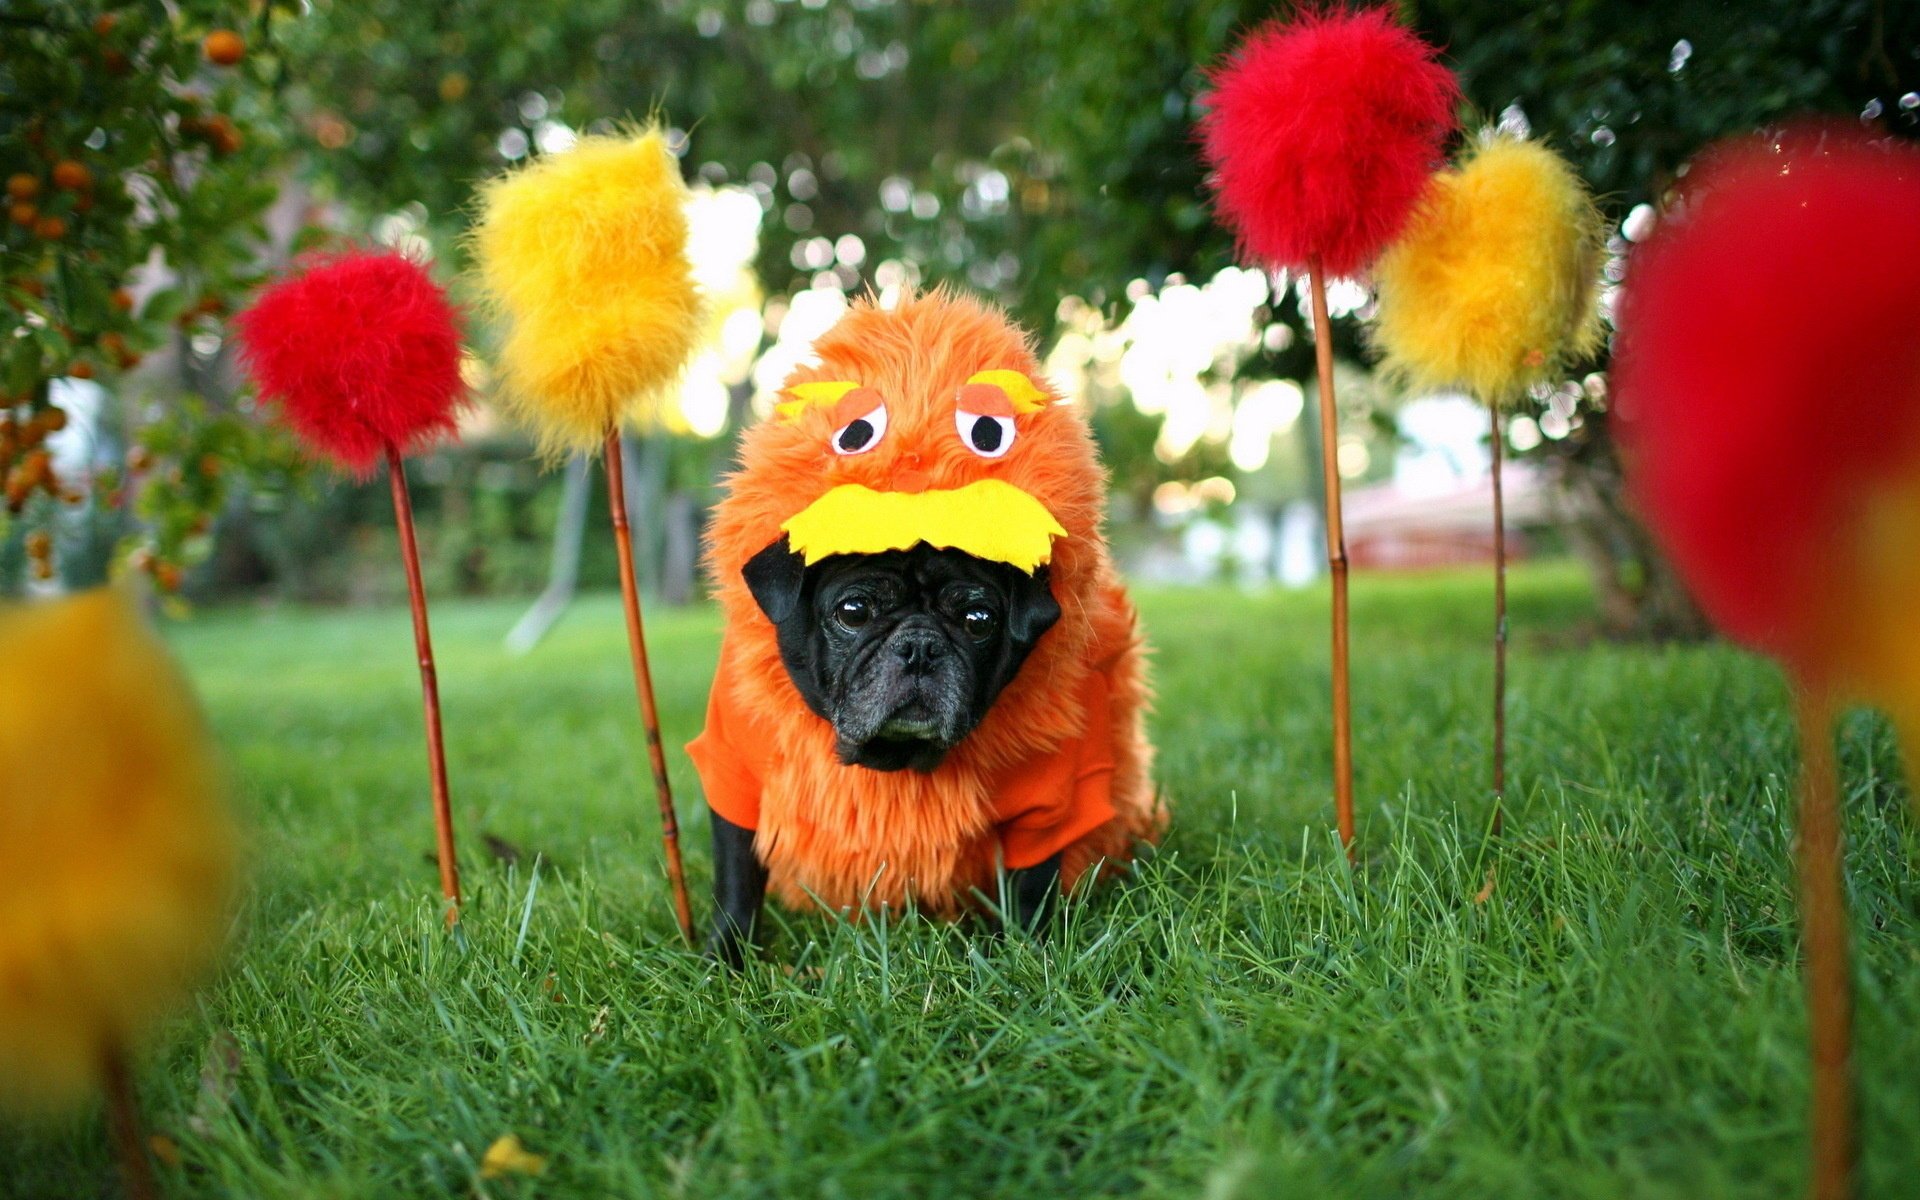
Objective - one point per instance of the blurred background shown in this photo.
(163, 158)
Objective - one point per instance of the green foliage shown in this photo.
(1621, 1015)
(131, 136)
(811, 105)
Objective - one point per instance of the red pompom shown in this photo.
(358, 350)
(1322, 132)
(1766, 374)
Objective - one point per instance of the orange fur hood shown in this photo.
(1060, 763)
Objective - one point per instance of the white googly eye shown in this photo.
(862, 433)
(989, 437)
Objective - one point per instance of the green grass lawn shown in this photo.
(1245, 1017)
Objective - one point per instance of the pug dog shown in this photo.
(932, 684)
(903, 652)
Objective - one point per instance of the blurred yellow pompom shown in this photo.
(583, 253)
(116, 854)
(1874, 654)
(1493, 285)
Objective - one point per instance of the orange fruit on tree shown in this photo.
(121, 299)
(29, 473)
(22, 186)
(23, 213)
(80, 370)
(51, 229)
(223, 47)
(104, 23)
(72, 175)
(220, 132)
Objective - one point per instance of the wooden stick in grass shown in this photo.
(1336, 561)
(1321, 131)
(1498, 441)
(360, 355)
(121, 874)
(1492, 288)
(1824, 941)
(429, 682)
(1783, 477)
(125, 1129)
(643, 682)
(583, 257)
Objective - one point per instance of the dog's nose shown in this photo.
(919, 650)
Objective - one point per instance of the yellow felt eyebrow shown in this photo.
(1020, 390)
(808, 395)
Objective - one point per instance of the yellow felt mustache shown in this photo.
(989, 519)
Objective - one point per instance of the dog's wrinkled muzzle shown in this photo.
(989, 519)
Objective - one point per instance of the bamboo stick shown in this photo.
(1336, 561)
(124, 1127)
(1499, 627)
(1829, 982)
(643, 682)
(429, 686)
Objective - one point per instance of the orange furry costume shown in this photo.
(1060, 763)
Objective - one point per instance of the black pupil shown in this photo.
(854, 613)
(986, 435)
(979, 622)
(858, 433)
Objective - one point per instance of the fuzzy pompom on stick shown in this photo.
(360, 353)
(117, 856)
(1754, 451)
(1492, 287)
(583, 256)
(1782, 473)
(1321, 132)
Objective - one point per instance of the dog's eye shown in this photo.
(987, 436)
(862, 433)
(980, 623)
(853, 612)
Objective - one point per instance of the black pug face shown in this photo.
(904, 652)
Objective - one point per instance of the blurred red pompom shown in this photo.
(1322, 131)
(1766, 375)
(358, 350)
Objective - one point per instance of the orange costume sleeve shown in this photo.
(1045, 804)
(731, 760)
(1041, 805)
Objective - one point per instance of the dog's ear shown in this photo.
(1032, 609)
(774, 577)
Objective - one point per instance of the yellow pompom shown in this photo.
(1493, 286)
(1876, 567)
(584, 255)
(116, 854)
